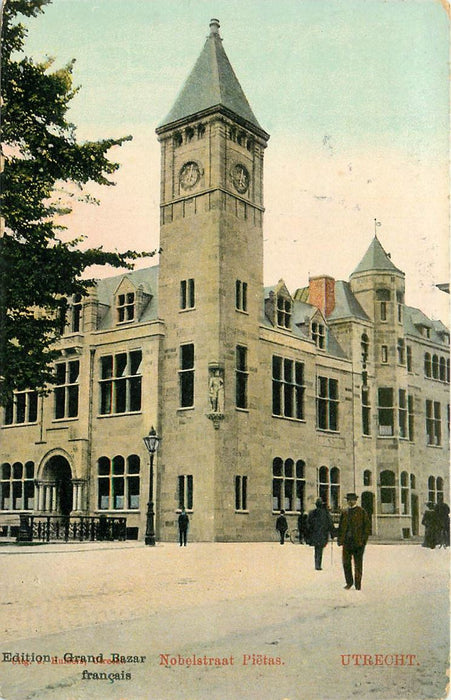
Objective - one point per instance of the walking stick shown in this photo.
(331, 552)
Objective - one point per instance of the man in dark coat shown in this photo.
(442, 515)
(282, 526)
(431, 526)
(320, 526)
(183, 527)
(302, 528)
(353, 533)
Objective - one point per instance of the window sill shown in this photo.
(326, 431)
(64, 420)
(19, 425)
(437, 447)
(241, 410)
(290, 418)
(118, 510)
(242, 311)
(189, 308)
(241, 512)
(185, 408)
(119, 415)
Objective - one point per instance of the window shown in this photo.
(75, 314)
(241, 295)
(366, 411)
(442, 369)
(287, 388)
(411, 418)
(409, 358)
(401, 352)
(439, 485)
(241, 493)
(367, 477)
(405, 500)
(327, 403)
(383, 296)
(402, 413)
(427, 365)
(431, 489)
(384, 354)
(328, 487)
(118, 483)
(288, 484)
(283, 312)
(126, 307)
(447, 371)
(319, 335)
(433, 423)
(365, 345)
(186, 375)
(21, 408)
(241, 376)
(385, 412)
(388, 492)
(185, 493)
(120, 383)
(434, 366)
(66, 390)
(17, 486)
(187, 295)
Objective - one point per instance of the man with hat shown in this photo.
(353, 533)
(319, 527)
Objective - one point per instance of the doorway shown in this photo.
(57, 470)
(368, 505)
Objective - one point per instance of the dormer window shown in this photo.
(319, 335)
(189, 134)
(126, 307)
(178, 140)
(75, 314)
(201, 131)
(283, 312)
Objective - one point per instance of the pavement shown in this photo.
(221, 621)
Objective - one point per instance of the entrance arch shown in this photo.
(57, 486)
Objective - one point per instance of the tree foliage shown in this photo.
(43, 164)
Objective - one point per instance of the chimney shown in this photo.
(322, 293)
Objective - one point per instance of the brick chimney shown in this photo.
(322, 293)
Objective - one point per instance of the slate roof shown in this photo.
(413, 320)
(346, 305)
(211, 83)
(147, 278)
(375, 258)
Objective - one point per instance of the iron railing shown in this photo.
(77, 528)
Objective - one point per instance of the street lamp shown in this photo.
(151, 442)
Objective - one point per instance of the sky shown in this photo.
(353, 94)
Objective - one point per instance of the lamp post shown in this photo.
(151, 442)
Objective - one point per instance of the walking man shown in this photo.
(320, 526)
(353, 533)
(183, 527)
(281, 526)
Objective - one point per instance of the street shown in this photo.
(221, 621)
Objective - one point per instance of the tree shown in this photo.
(43, 164)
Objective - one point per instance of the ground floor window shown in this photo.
(328, 486)
(118, 483)
(388, 492)
(17, 486)
(185, 491)
(240, 492)
(435, 489)
(288, 484)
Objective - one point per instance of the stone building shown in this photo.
(264, 398)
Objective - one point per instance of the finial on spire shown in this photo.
(214, 26)
(376, 224)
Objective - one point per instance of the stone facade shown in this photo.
(263, 399)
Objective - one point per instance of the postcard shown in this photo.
(236, 481)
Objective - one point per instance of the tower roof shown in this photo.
(375, 258)
(211, 84)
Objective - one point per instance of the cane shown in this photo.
(331, 552)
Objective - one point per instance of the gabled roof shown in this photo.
(211, 83)
(414, 320)
(375, 259)
(145, 278)
(346, 305)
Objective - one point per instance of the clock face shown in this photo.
(189, 175)
(240, 178)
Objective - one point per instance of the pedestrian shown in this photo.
(353, 532)
(303, 528)
(431, 526)
(282, 526)
(183, 527)
(442, 515)
(320, 526)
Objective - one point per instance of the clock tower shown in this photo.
(210, 294)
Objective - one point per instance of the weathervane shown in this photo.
(376, 224)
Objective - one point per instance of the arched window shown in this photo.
(427, 364)
(431, 489)
(367, 477)
(435, 366)
(118, 483)
(388, 492)
(404, 493)
(323, 484)
(335, 488)
(413, 482)
(442, 370)
(17, 486)
(288, 484)
(439, 485)
(365, 345)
